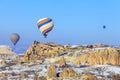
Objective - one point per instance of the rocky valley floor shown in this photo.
(49, 61)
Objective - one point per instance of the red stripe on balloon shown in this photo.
(46, 30)
(43, 21)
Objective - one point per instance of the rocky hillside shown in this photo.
(90, 54)
(39, 51)
(49, 61)
(99, 56)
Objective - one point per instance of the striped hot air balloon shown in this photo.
(45, 25)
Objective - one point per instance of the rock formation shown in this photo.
(51, 72)
(41, 50)
(99, 45)
(40, 78)
(62, 62)
(6, 51)
(99, 56)
(68, 72)
(88, 76)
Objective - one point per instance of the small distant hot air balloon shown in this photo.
(104, 26)
(14, 38)
(45, 25)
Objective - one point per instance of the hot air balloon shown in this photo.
(104, 26)
(14, 38)
(45, 25)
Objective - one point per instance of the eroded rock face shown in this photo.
(41, 50)
(62, 62)
(97, 46)
(6, 51)
(38, 51)
(40, 78)
(99, 56)
(51, 72)
(88, 76)
(68, 72)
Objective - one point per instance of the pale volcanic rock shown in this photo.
(99, 56)
(40, 78)
(88, 76)
(6, 53)
(62, 62)
(39, 51)
(51, 72)
(5, 50)
(68, 72)
(99, 45)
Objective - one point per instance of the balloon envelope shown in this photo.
(14, 38)
(45, 25)
(104, 26)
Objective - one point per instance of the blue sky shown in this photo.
(75, 21)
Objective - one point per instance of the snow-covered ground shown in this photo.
(33, 69)
(39, 68)
(99, 70)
